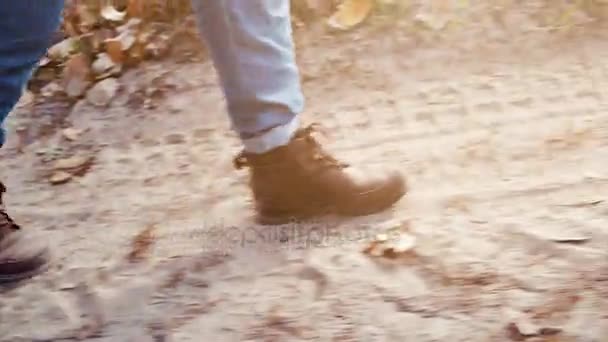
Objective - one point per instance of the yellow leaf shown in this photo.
(351, 13)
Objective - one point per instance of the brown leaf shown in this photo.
(141, 244)
(114, 50)
(86, 16)
(136, 54)
(135, 8)
(94, 42)
(351, 13)
(117, 47)
(76, 75)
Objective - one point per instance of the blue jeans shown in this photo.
(251, 47)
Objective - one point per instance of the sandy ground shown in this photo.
(506, 156)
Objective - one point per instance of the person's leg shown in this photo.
(253, 52)
(291, 176)
(26, 30)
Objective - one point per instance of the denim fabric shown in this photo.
(250, 43)
(26, 29)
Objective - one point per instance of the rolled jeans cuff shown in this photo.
(273, 138)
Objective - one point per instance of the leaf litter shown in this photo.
(395, 242)
(142, 244)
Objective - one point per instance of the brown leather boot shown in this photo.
(21, 256)
(301, 180)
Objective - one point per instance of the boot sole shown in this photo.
(382, 198)
(10, 279)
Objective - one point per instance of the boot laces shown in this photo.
(319, 154)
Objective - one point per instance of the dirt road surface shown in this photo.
(505, 146)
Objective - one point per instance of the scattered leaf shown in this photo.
(135, 8)
(350, 13)
(86, 17)
(75, 165)
(76, 75)
(142, 244)
(133, 25)
(383, 246)
(114, 50)
(71, 134)
(524, 330)
(44, 61)
(62, 50)
(404, 245)
(111, 14)
(60, 177)
(104, 65)
(157, 47)
(103, 92)
(70, 163)
(51, 89)
(381, 238)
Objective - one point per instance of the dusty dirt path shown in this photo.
(505, 155)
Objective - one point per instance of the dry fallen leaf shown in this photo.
(400, 246)
(157, 46)
(62, 50)
(111, 14)
(141, 244)
(70, 163)
(75, 165)
(103, 92)
(524, 330)
(76, 75)
(114, 50)
(60, 177)
(351, 13)
(104, 66)
(71, 134)
(51, 89)
(86, 17)
(135, 8)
